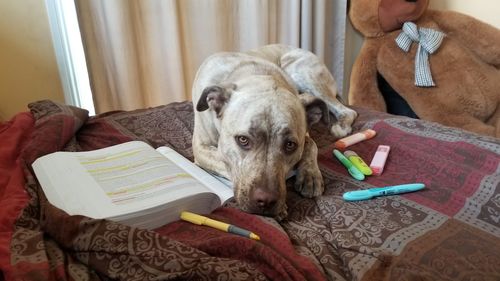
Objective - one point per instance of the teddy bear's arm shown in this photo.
(479, 37)
(437, 112)
(364, 90)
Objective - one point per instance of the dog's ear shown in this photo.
(316, 109)
(214, 97)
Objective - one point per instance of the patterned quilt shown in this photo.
(448, 231)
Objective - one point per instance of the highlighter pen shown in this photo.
(201, 220)
(378, 161)
(353, 171)
(355, 138)
(358, 162)
(365, 194)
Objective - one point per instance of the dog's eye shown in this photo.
(290, 146)
(243, 142)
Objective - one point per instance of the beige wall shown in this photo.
(28, 67)
(484, 10)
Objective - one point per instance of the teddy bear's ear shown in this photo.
(393, 13)
(364, 17)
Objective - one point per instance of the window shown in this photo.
(69, 53)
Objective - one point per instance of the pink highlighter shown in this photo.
(378, 161)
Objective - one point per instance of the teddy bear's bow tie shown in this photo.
(428, 41)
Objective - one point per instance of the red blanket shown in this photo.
(14, 135)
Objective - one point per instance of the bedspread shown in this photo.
(448, 231)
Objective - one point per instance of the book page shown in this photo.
(114, 181)
(134, 174)
(223, 190)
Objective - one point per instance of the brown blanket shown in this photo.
(449, 231)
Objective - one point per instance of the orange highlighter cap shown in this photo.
(355, 138)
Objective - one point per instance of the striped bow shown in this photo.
(428, 41)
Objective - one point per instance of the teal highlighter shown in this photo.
(366, 194)
(353, 171)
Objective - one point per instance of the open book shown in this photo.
(131, 183)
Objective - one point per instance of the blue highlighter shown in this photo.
(365, 194)
(353, 171)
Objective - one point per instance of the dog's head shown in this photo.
(262, 129)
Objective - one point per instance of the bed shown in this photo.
(448, 231)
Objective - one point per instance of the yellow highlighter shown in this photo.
(201, 220)
(358, 162)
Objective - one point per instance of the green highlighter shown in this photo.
(353, 171)
(358, 162)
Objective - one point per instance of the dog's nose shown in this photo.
(264, 199)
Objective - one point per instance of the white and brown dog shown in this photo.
(253, 111)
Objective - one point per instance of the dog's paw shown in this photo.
(345, 118)
(282, 213)
(340, 131)
(309, 181)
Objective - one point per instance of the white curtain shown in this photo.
(146, 53)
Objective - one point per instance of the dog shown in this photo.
(252, 114)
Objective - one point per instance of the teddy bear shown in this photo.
(440, 66)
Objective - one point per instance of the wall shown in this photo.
(28, 68)
(487, 12)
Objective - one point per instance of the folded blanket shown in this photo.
(46, 243)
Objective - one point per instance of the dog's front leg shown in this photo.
(209, 158)
(309, 181)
